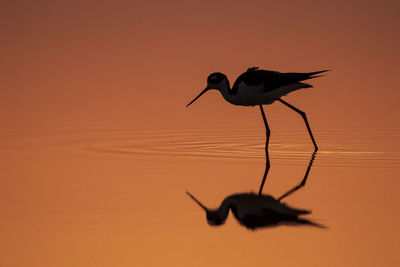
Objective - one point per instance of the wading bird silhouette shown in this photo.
(258, 210)
(261, 87)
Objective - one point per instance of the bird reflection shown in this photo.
(258, 210)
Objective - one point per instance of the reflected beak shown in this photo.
(195, 200)
(205, 90)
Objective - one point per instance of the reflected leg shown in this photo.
(303, 182)
(267, 164)
(303, 114)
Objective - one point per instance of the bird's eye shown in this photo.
(215, 78)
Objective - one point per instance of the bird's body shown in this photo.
(260, 87)
(255, 211)
(247, 205)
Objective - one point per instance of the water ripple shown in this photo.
(242, 145)
(354, 148)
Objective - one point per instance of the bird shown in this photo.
(261, 87)
(261, 210)
(256, 211)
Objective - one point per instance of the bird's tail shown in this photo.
(316, 72)
(311, 75)
(294, 77)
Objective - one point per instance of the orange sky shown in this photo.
(68, 67)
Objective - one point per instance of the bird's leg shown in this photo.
(303, 114)
(267, 165)
(303, 182)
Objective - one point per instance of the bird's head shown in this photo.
(216, 80)
(213, 216)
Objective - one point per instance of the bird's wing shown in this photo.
(272, 80)
(254, 77)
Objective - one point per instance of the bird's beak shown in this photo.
(198, 202)
(202, 92)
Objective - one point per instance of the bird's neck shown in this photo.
(226, 92)
(223, 209)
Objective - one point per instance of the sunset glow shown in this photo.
(98, 148)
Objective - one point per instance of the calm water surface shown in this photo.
(113, 195)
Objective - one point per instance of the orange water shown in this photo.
(112, 195)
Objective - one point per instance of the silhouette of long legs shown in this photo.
(267, 164)
(303, 182)
(303, 114)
